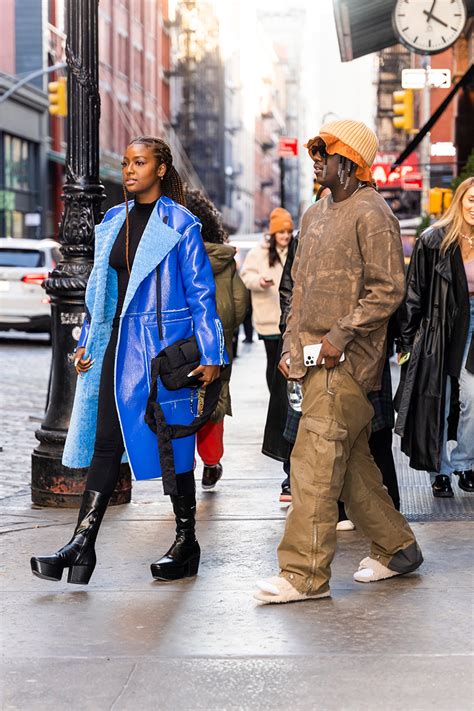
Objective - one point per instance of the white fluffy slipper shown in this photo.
(370, 570)
(345, 525)
(277, 590)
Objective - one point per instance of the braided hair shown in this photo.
(171, 184)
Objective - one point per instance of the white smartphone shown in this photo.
(311, 354)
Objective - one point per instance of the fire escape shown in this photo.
(199, 121)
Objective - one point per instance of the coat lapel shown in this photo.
(443, 266)
(156, 242)
(105, 236)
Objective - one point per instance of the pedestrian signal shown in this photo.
(403, 110)
(439, 200)
(57, 96)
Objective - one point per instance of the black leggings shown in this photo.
(380, 444)
(104, 469)
(271, 348)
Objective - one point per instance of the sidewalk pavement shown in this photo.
(126, 642)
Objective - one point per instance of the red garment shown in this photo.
(210, 443)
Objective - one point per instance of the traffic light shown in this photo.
(439, 200)
(403, 109)
(57, 96)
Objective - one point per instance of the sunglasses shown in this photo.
(318, 148)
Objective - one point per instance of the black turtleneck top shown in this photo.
(137, 220)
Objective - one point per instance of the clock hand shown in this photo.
(436, 19)
(428, 14)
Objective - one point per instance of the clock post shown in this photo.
(425, 146)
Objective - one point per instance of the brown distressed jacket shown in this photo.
(349, 279)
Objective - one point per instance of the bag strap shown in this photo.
(155, 419)
(210, 403)
(165, 433)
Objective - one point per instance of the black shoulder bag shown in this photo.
(173, 365)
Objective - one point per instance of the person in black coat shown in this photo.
(436, 337)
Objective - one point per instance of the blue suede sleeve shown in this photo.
(200, 289)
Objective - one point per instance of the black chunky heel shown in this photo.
(80, 574)
(79, 554)
(182, 559)
(193, 567)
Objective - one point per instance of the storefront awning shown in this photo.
(109, 165)
(365, 26)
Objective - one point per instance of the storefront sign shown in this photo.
(405, 177)
(287, 147)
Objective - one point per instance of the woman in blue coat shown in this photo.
(131, 315)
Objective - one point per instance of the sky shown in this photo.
(331, 89)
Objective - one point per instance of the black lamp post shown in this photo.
(52, 484)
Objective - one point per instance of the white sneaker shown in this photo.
(278, 590)
(371, 570)
(345, 525)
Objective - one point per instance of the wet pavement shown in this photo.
(126, 641)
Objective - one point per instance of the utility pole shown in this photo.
(52, 484)
(425, 147)
(282, 181)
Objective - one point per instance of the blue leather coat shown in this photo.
(187, 306)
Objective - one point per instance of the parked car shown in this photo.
(24, 265)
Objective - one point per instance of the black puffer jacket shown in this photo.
(433, 325)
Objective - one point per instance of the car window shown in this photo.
(21, 258)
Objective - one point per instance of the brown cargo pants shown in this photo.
(331, 460)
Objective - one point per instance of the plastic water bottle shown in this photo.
(295, 394)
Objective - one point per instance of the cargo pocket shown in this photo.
(324, 450)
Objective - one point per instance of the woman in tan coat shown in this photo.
(232, 304)
(261, 274)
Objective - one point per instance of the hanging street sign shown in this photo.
(419, 78)
(287, 147)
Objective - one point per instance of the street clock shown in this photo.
(429, 26)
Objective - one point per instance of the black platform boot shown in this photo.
(182, 559)
(79, 554)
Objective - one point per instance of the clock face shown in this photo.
(429, 26)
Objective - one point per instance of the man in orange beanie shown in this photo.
(349, 279)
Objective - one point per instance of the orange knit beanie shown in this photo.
(280, 221)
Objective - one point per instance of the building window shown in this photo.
(123, 55)
(18, 187)
(138, 66)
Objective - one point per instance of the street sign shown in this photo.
(32, 219)
(443, 148)
(419, 78)
(287, 147)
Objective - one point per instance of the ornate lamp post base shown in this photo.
(56, 485)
